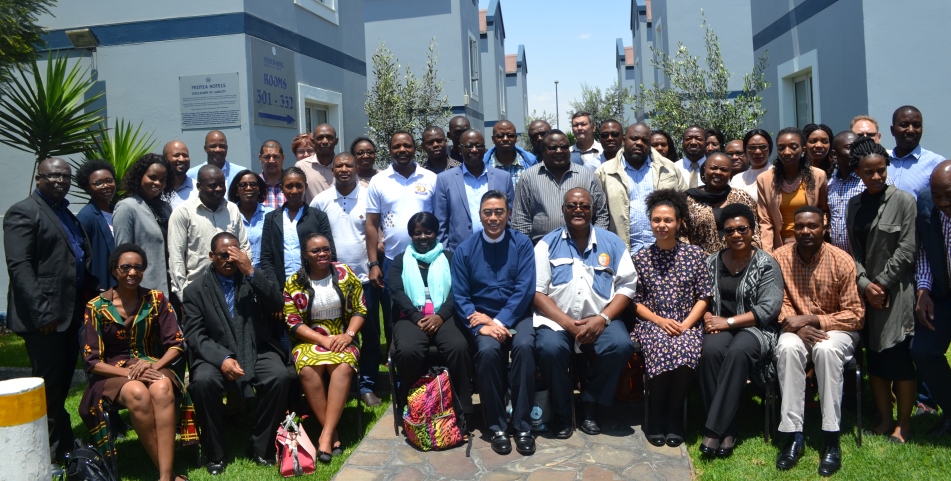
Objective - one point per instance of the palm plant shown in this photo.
(121, 146)
(50, 115)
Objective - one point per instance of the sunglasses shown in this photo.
(126, 268)
(613, 135)
(574, 207)
(743, 229)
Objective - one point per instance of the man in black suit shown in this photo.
(233, 347)
(48, 260)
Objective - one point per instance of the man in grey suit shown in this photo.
(459, 191)
(48, 260)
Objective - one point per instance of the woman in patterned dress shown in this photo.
(324, 309)
(672, 294)
(706, 202)
(130, 338)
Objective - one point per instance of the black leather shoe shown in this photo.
(215, 469)
(941, 428)
(656, 439)
(501, 443)
(674, 440)
(709, 446)
(259, 460)
(370, 399)
(726, 446)
(790, 455)
(561, 427)
(589, 416)
(830, 461)
(525, 443)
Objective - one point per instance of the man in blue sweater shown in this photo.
(493, 284)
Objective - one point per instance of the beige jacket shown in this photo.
(769, 198)
(617, 187)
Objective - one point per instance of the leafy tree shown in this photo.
(700, 95)
(50, 115)
(407, 103)
(20, 36)
(609, 104)
(523, 141)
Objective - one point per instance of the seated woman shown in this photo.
(130, 337)
(672, 292)
(741, 327)
(707, 201)
(421, 287)
(324, 309)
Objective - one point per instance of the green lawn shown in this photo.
(12, 351)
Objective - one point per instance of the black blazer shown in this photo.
(931, 240)
(402, 305)
(205, 329)
(42, 268)
(313, 220)
(102, 242)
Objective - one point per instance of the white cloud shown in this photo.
(584, 36)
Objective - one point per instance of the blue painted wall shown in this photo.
(492, 51)
(516, 92)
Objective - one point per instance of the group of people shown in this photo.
(718, 265)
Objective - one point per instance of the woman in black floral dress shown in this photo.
(673, 289)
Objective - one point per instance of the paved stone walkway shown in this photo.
(620, 452)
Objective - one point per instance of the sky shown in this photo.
(565, 43)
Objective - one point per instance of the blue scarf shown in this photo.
(439, 278)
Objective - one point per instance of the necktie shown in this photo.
(229, 297)
(694, 174)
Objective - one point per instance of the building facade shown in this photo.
(254, 70)
(492, 52)
(516, 89)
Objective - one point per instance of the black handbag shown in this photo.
(86, 463)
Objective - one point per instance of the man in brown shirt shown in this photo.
(318, 169)
(821, 316)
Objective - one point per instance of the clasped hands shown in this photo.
(430, 324)
(803, 327)
(489, 327)
(144, 371)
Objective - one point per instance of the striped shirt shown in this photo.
(840, 191)
(539, 197)
(825, 288)
(924, 275)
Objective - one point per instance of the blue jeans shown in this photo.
(370, 336)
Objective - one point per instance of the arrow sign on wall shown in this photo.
(283, 118)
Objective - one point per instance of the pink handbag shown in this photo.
(295, 452)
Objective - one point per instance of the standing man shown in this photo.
(459, 191)
(232, 347)
(739, 163)
(865, 126)
(611, 135)
(586, 148)
(191, 227)
(537, 130)
(178, 159)
(271, 157)
(436, 148)
(457, 125)
(574, 311)
(493, 278)
(394, 195)
(216, 147)
(505, 155)
(540, 193)
(843, 185)
(933, 307)
(318, 168)
(694, 148)
(821, 318)
(48, 261)
(910, 165)
(346, 208)
(628, 178)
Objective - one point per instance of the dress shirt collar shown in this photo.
(62, 204)
(815, 259)
(485, 171)
(491, 240)
(221, 205)
(300, 212)
(644, 168)
(224, 281)
(592, 238)
(915, 153)
(595, 147)
(355, 193)
(518, 160)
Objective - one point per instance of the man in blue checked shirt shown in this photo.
(911, 165)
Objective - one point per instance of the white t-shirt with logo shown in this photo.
(348, 216)
(396, 199)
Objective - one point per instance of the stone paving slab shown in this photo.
(620, 452)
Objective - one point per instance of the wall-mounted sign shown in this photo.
(273, 85)
(210, 101)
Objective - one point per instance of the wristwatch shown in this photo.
(371, 265)
(730, 321)
(607, 320)
(352, 334)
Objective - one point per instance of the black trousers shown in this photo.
(410, 347)
(491, 360)
(725, 365)
(53, 358)
(207, 387)
(927, 350)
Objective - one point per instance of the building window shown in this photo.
(799, 96)
(319, 106)
(502, 91)
(314, 115)
(803, 92)
(473, 67)
(325, 9)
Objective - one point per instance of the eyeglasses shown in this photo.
(365, 153)
(56, 177)
(870, 135)
(223, 255)
(318, 250)
(556, 148)
(613, 135)
(102, 182)
(473, 146)
(538, 135)
(307, 152)
(488, 213)
(506, 136)
(245, 185)
(734, 154)
(754, 148)
(743, 229)
(126, 268)
(573, 207)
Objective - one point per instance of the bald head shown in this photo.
(53, 177)
(941, 175)
(472, 147)
(176, 153)
(216, 146)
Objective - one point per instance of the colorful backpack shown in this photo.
(429, 418)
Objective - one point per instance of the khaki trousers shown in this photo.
(829, 356)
